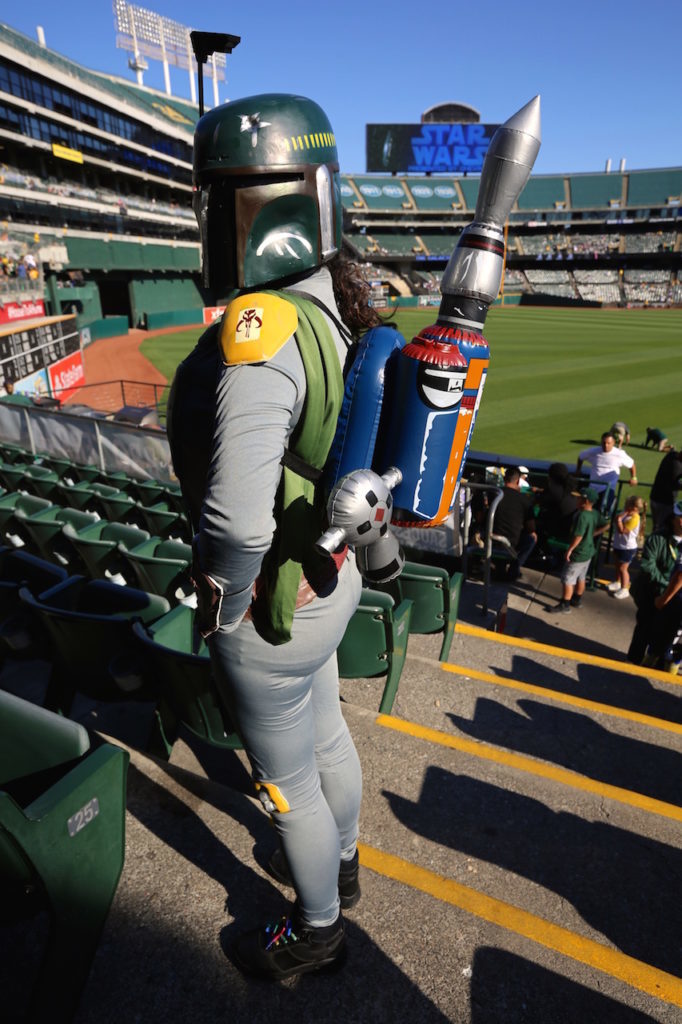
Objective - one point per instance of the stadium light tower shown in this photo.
(146, 34)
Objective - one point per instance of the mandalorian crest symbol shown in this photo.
(252, 123)
(440, 389)
(249, 325)
(283, 242)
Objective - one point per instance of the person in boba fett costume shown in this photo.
(252, 415)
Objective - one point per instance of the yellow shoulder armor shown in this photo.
(255, 327)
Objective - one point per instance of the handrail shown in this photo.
(470, 486)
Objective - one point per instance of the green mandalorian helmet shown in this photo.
(267, 193)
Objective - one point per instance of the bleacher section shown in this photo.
(434, 195)
(551, 282)
(99, 169)
(654, 188)
(383, 193)
(542, 193)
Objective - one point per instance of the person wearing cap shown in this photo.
(514, 520)
(659, 556)
(606, 461)
(587, 526)
(524, 483)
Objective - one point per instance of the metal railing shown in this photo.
(467, 488)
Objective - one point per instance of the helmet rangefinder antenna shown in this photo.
(204, 45)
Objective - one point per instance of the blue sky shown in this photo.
(609, 72)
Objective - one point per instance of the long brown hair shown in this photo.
(352, 293)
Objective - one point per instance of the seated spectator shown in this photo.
(659, 555)
(667, 483)
(587, 525)
(606, 462)
(514, 520)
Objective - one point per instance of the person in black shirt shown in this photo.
(667, 482)
(514, 520)
(557, 504)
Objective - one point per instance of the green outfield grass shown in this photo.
(558, 378)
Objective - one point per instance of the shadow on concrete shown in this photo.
(506, 987)
(545, 631)
(148, 973)
(620, 690)
(576, 742)
(619, 882)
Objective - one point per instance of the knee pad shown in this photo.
(271, 797)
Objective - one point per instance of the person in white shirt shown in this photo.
(606, 461)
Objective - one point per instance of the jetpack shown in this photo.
(412, 407)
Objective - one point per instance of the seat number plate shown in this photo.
(83, 817)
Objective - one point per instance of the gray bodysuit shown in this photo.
(284, 698)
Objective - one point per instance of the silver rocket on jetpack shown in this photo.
(439, 376)
(472, 278)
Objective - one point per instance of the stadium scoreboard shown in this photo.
(26, 349)
(428, 148)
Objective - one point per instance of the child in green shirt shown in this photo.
(587, 525)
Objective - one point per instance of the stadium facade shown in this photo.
(95, 187)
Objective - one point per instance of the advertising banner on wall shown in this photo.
(428, 148)
(35, 385)
(67, 376)
(213, 313)
(13, 311)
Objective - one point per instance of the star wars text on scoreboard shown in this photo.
(428, 148)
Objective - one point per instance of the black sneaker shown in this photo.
(563, 606)
(287, 948)
(349, 882)
(576, 601)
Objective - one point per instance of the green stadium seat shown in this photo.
(78, 495)
(115, 504)
(14, 453)
(163, 521)
(375, 643)
(11, 474)
(435, 600)
(162, 567)
(100, 547)
(147, 492)
(29, 477)
(42, 530)
(179, 660)
(91, 645)
(18, 635)
(15, 502)
(62, 843)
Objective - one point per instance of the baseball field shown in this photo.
(558, 378)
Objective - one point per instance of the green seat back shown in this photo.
(180, 659)
(33, 739)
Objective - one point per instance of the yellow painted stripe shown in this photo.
(534, 767)
(564, 698)
(586, 951)
(563, 652)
